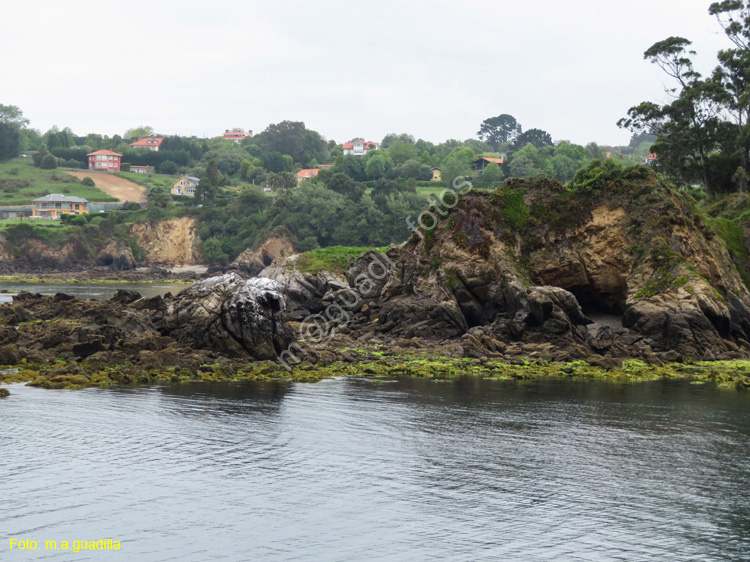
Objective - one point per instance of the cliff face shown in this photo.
(627, 268)
(169, 242)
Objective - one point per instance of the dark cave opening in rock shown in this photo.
(603, 308)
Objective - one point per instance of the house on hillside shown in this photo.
(236, 136)
(53, 205)
(145, 170)
(186, 185)
(149, 143)
(651, 158)
(306, 174)
(480, 164)
(436, 175)
(358, 147)
(105, 161)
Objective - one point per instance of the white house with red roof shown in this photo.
(358, 147)
(651, 158)
(149, 143)
(105, 161)
(306, 174)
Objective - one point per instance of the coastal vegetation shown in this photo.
(381, 365)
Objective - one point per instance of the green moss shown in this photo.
(335, 259)
(4, 392)
(512, 206)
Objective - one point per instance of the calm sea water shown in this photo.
(90, 290)
(349, 470)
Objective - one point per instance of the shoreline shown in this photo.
(71, 375)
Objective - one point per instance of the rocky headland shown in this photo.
(620, 277)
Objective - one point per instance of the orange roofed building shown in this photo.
(105, 161)
(149, 143)
(306, 174)
(482, 163)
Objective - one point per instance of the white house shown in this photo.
(359, 147)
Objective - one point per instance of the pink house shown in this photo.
(104, 160)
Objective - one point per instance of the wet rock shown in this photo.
(600, 337)
(229, 314)
(125, 296)
(9, 355)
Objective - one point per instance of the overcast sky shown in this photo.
(434, 69)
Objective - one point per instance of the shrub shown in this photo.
(88, 181)
(49, 162)
(78, 220)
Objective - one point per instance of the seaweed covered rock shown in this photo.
(229, 314)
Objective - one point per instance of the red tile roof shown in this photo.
(368, 144)
(149, 141)
(107, 152)
(652, 156)
(308, 173)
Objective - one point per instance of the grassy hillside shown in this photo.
(149, 181)
(21, 182)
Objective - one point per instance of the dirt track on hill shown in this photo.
(124, 190)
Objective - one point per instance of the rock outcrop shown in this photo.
(252, 262)
(224, 319)
(116, 256)
(628, 270)
(229, 314)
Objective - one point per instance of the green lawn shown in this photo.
(21, 182)
(149, 181)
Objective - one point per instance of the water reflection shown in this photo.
(89, 290)
(402, 470)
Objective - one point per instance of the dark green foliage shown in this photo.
(702, 133)
(167, 167)
(10, 140)
(213, 251)
(49, 162)
(88, 181)
(275, 162)
(492, 173)
(158, 196)
(131, 206)
(535, 137)
(78, 220)
(500, 129)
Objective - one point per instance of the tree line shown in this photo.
(703, 132)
